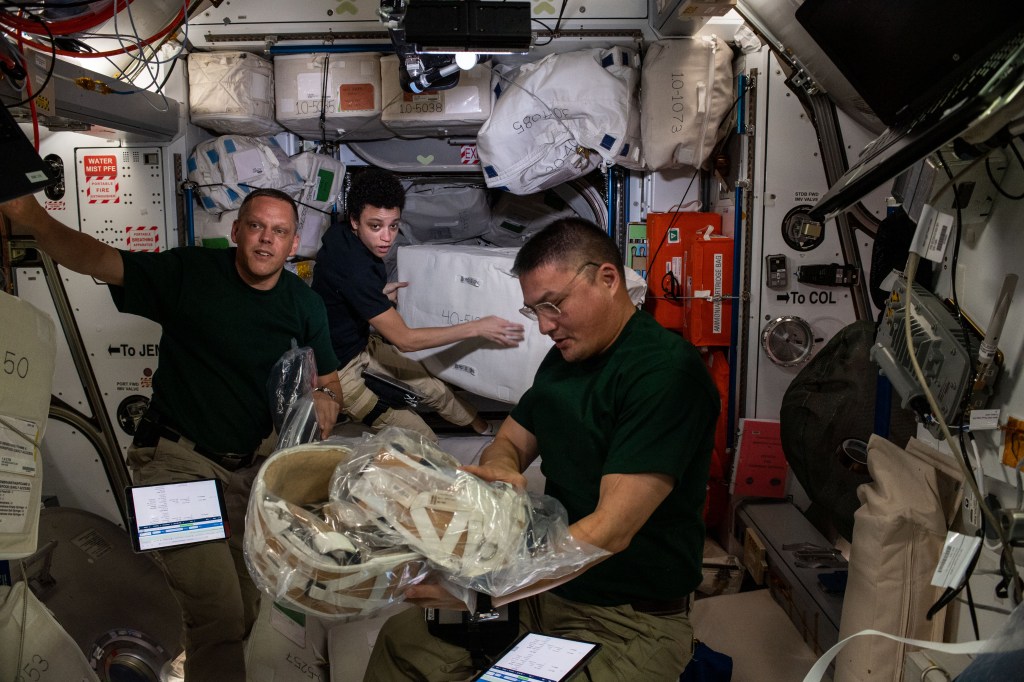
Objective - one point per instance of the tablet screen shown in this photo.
(173, 514)
(540, 658)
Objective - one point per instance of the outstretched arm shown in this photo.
(71, 248)
(393, 328)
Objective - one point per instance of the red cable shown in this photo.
(172, 26)
(67, 26)
(31, 98)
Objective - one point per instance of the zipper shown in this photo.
(704, 91)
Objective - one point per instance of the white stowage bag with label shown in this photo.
(27, 349)
(453, 283)
(33, 645)
(232, 92)
(227, 168)
(555, 120)
(686, 90)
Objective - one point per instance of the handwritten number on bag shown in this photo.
(34, 669)
(15, 365)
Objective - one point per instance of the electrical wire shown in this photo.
(30, 96)
(31, 102)
(64, 27)
(48, 5)
(558, 23)
(1007, 562)
(547, 28)
(992, 178)
(173, 25)
(669, 277)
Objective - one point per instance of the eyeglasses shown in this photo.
(549, 310)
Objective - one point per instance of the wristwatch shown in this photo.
(326, 391)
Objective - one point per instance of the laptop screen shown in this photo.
(901, 56)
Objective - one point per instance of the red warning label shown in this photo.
(468, 155)
(101, 186)
(142, 238)
(100, 166)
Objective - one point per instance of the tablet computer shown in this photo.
(540, 658)
(174, 514)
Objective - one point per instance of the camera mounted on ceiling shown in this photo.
(435, 39)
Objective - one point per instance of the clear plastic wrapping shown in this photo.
(487, 537)
(290, 389)
(316, 555)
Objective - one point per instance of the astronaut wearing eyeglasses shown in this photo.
(621, 414)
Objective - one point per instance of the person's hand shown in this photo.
(391, 290)
(21, 211)
(500, 331)
(494, 473)
(430, 595)
(326, 413)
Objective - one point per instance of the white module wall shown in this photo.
(787, 175)
(116, 194)
(72, 469)
(121, 203)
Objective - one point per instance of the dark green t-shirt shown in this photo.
(220, 340)
(646, 405)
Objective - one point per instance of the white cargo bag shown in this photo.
(29, 345)
(460, 110)
(450, 284)
(442, 213)
(232, 93)
(30, 634)
(213, 230)
(625, 64)
(351, 104)
(227, 168)
(323, 184)
(553, 120)
(686, 90)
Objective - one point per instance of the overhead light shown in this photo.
(466, 60)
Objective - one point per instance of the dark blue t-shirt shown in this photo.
(351, 281)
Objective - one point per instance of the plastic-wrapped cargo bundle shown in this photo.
(316, 556)
(482, 536)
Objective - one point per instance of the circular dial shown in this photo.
(787, 340)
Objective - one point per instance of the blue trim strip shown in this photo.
(737, 239)
(190, 221)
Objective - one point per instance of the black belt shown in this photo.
(149, 432)
(667, 607)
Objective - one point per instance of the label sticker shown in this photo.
(15, 497)
(142, 238)
(957, 553)
(101, 185)
(984, 420)
(19, 440)
(356, 97)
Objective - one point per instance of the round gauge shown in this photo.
(799, 231)
(787, 340)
